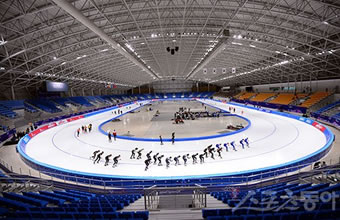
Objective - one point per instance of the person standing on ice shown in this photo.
(161, 139)
(109, 136)
(173, 137)
(114, 134)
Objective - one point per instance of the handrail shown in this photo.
(87, 182)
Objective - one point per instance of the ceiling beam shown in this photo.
(69, 8)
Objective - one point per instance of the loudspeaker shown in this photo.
(226, 33)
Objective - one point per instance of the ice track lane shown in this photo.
(274, 140)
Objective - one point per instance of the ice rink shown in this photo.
(274, 140)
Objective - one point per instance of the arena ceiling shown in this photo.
(90, 43)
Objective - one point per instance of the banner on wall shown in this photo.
(41, 129)
(319, 126)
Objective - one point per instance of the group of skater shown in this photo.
(84, 129)
(157, 158)
(183, 114)
(97, 156)
(118, 111)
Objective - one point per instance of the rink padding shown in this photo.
(207, 180)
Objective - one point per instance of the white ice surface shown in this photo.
(274, 140)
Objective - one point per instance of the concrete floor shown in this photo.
(144, 124)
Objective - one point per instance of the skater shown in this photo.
(194, 158)
(114, 135)
(233, 145)
(206, 152)
(139, 154)
(226, 146)
(115, 160)
(107, 159)
(99, 156)
(78, 131)
(211, 151)
(90, 127)
(247, 142)
(168, 161)
(133, 153)
(241, 142)
(177, 160)
(94, 154)
(85, 129)
(173, 137)
(155, 158)
(109, 136)
(219, 150)
(160, 160)
(147, 163)
(185, 158)
(161, 139)
(201, 158)
(82, 128)
(148, 155)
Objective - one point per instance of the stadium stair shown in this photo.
(254, 204)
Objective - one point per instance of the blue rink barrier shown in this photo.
(204, 180)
